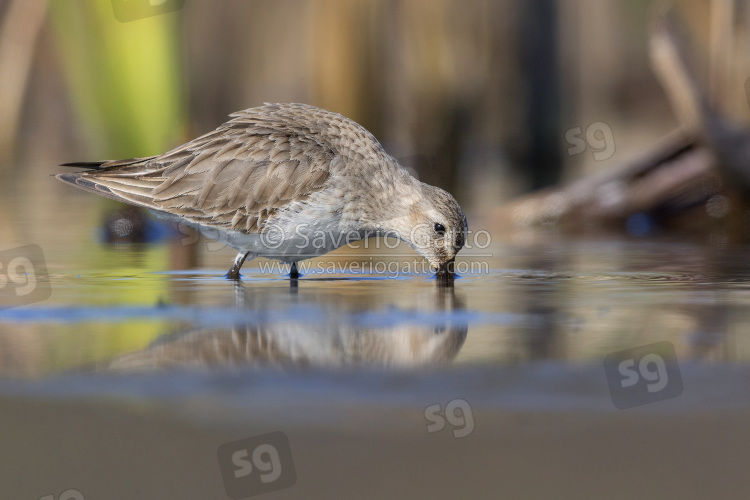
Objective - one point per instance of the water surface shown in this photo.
(121, 308)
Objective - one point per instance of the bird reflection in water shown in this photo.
(338, 343)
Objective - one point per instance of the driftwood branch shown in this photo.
(699, 173)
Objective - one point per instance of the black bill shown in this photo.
(446, 270)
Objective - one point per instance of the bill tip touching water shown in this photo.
(287, 182)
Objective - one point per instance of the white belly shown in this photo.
(295, 244)
(303, 231)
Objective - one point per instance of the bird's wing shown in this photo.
(233, 177)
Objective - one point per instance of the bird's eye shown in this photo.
(439, 228)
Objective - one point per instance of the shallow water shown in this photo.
(348, 361)
(120, 308)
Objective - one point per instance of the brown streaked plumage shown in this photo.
(272, 176)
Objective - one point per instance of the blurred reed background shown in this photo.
(475, 97)
(478, 97)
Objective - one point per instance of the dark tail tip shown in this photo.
(91, 165)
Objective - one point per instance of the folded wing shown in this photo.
(233, 177)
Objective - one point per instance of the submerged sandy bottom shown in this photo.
(545, 431)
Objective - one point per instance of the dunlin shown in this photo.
(287, 182)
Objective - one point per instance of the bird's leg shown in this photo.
(293, 272)
(234, 271)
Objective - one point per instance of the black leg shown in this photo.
(234, 271)
(293, 272)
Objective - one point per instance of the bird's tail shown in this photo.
(88, 180)
(90, 165)
(107, 164)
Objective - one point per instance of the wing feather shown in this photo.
(243, 172)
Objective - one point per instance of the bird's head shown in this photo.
(433, 224)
